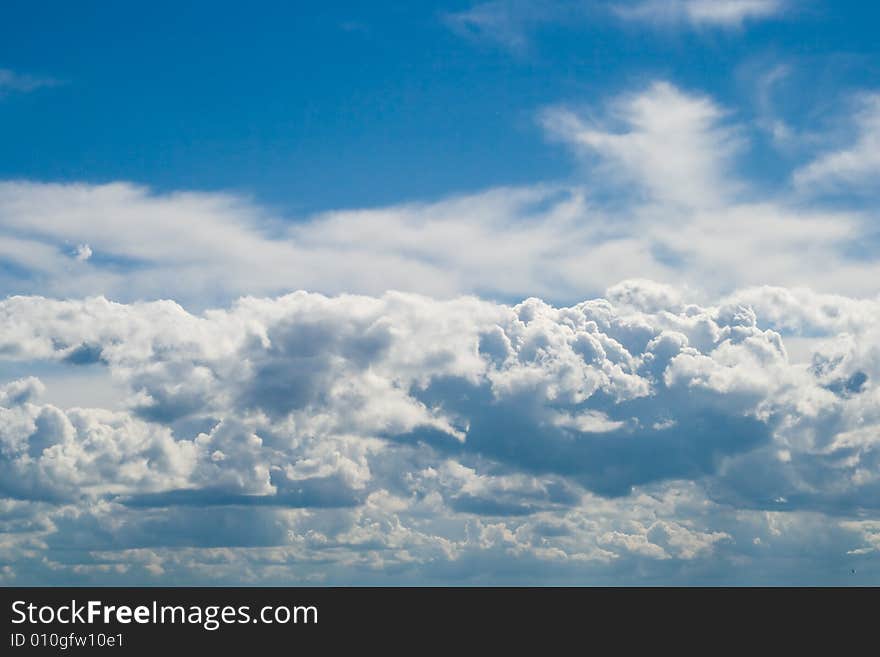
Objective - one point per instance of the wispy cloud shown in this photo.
(10, 81)
(674, 144)
(510, 23)
(699, 13)
(851, 167)
(663, 195)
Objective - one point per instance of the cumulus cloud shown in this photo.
(83, 252)
(423, 436)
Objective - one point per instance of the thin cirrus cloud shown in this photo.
(11, 81)
(511, 24)
(700, 13)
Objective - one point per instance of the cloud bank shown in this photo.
(314, 438)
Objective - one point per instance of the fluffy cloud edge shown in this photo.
(328, 438)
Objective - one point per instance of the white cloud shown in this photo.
(672, 144)
(852, 167)
(700, 13)
(671, 157)
(305, 437)
(679, 214)
(510, 23)
(83, 252)
(10, 81)
(370, 431)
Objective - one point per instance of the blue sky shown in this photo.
(315, 106)
(576, 292)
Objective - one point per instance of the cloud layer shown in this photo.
(662, 196)
(305, 437)
(441, 405)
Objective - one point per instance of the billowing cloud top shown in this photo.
(419, 436)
